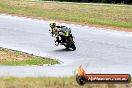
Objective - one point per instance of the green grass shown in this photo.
(114, 15)
(11, 57)
(51, 82)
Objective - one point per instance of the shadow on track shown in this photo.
(63, 50)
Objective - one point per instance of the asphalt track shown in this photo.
(98, 50)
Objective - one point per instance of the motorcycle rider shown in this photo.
(59, 31)
(54, 31)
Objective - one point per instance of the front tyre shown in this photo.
(73, 46)
(69, 44)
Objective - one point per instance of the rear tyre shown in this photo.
(67, 47)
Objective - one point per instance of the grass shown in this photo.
(11, 57)
(51, 82)
(110, 15)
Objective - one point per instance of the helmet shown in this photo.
(53, 24)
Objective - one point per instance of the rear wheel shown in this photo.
(67, 47)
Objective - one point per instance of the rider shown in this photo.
(58, 31)
(55, 31)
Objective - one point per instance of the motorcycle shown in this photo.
(68, 41)
(66, 38)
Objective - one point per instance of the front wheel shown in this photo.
(73, 46)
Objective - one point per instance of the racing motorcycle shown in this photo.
(66, 38)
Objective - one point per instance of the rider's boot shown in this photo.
(57, 41)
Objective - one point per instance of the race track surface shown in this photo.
(98, 50)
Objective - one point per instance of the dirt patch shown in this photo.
(18, 58)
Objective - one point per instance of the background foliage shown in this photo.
(101, 1)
